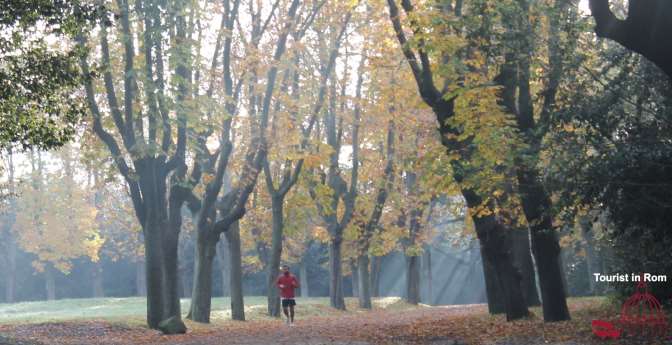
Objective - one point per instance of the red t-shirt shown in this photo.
(289, 283)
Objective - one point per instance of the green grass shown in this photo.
(132, 310)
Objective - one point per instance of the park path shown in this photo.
(352, 328)
(446, 325)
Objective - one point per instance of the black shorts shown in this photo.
(286, 302)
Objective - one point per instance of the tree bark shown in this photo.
(364, 293)
(593, 261)
(645, 30)
(154, 273)
(236, 273)
(496, 247)
(50, 282)
(10, 273)
(171, 238)
(224, 265)
(413, 279)
(97, 279)
(335, 274)
(427, 280)
(140, 279)
(413, 260)
(202, 291)
(376, 267)
(545, 247)
(355, 277)
(523, 259)
(493, 290)
(186, 284)
(303, 276)
(8, 241)
(273, 299)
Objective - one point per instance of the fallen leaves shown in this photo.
(468, 324)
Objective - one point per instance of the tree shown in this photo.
(232, 205)
(328, 188)
(7, 236)
(609, 154)
(37, 83)
(157, 174)
(57, 222)
(492, 234)
(644, 30)
(368, 227)
(287, 170)
(516, 77)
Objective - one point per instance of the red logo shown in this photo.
(641, 315)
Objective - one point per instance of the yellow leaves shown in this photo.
(321, 234)
(414, 250)
(312, 160)
(324, 193)
(385, 241)
(57, 222)
(252, 264)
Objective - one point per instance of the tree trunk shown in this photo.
(496, 247)
(355, 277)
(202, 290)
(303, 276)
(10, 244)
(364, 281)
(490, 234)
(492, 289)
(376, 267)
(10, 283)
(515, 77)
(224, 265)
(236, 273)
(171, 266)
(97, 278)
(427, 269)
(545, 245)
(186, 286)
(335, 274)
(154, 273)
(523, 260)
(413, 279)
(140, 279)
(50, 282)
(273, 299)
(547, 254)
(593, 261)
(644, 31)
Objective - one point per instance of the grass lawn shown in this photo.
(131, 310)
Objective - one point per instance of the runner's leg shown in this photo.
(291, 313)
(284, 310)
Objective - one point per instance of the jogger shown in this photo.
(287, 282)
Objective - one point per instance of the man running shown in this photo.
(287, 283)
